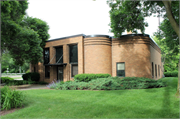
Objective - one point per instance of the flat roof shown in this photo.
(107, 36)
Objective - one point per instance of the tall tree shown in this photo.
(23, 42)
(130, 15)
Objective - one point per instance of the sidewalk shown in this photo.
(34, 86)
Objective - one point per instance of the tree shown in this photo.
(130, 15)
(23, 42)
(8, 62)
(169, 58)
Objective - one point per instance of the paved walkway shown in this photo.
(34, 86)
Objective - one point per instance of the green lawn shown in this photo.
(135, 103)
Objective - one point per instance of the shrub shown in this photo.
(33, 76)
(171, 74)
(11, 98)
(6, 79)
(110, 83)
(89, 77)
(19, 82)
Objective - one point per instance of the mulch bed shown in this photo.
(4, 112)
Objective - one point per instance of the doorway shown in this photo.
(60, 73)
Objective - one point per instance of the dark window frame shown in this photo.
(156, 70)
(152, 70)
(44, 55)
(117, 69)
(61, 55)
(70, 54)
(159, 69)
(73, 64)
(47, 74)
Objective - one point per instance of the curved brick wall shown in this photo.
(135, 52)
(97, 55)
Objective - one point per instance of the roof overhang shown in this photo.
(57, 64)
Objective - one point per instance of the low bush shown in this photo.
(89, 77)
(11, 98)
(171, 74)
(20, 82)
(6, 79)
(110, 83)
(33, 76)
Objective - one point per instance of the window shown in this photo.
(34, 69)
(156, 70)
(74, 70)
(47, 71)
(159, 69)
(152, 70)
(46, 55)
(73, 55)
(59, 55)
(120, 68)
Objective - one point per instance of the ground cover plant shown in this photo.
(110, 83)
(11, 98)
(89, 77)
(134, 103)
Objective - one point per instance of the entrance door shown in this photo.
(60, 73)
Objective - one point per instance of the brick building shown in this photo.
(131, 55)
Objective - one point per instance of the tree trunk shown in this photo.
(175, 26)
(170, 16)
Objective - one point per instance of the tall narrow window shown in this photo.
(159, 69)
(152, 70)
(74, 70)
(46, 55)
(47, 71)
(156, 70)
(59, 55)
(34, 69)
(120, 67)
(73, 55)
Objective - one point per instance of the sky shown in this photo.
(72, 17)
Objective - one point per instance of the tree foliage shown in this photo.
(22, 36)
(169, 58)
(8, 62)
(129, 15)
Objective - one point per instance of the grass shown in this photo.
(135, 103)
(17, 77)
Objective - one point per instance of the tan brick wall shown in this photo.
(97, 55)
(156, 59)
(66, 69)
(100, 55)
(135, 52)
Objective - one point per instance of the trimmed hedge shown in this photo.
(89, 77)
(34, 76)
(6, 79)
(110, 83)
(23, 82)
(171, 74)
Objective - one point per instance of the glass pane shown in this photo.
(47, 71)
(59, 55)
(73, 54)
(46, 56)
(60, 73)
(121, 73)
(121, 69)
(74, 70)
(120, 66)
